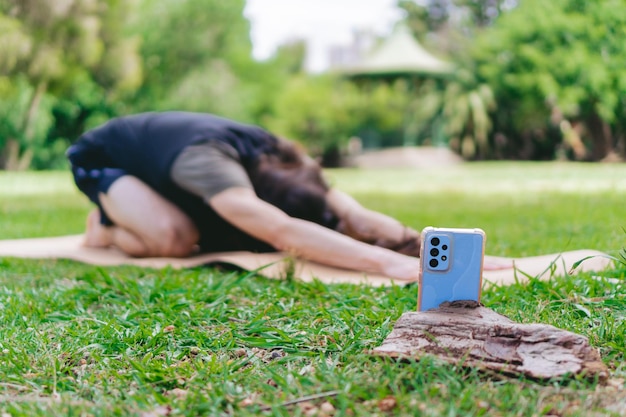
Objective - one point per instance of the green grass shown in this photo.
(82, 340)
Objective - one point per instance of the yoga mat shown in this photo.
(279, 265)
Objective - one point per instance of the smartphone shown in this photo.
(451, 266)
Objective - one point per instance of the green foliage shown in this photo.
(549, 62)
(14, 107)
(192, 68)
(437, 16)
(52, 45)
(324, 112)
(16, 44)
(536, 80)
(92, 60)
(553, 68)
(382, 110)
(317, 111)
(466, 109)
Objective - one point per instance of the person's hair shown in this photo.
(288, 179)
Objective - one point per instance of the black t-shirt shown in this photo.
(146, 145)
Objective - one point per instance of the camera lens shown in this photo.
(434, 241)
(444, 258)
(444, 247)
(433, 263)
(434, 252)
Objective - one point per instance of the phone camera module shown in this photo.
(434, 252)
(444, 247)
(434, 241)
(433, 263)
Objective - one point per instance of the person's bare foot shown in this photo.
(96, 234)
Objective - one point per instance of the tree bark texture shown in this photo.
(467, 334)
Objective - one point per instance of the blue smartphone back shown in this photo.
(452, 266)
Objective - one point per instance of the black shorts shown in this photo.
(92, 182)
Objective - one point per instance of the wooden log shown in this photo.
(468, 334)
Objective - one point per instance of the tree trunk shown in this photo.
(601, 137)
(20, 161)
(33, 108)
(13, 161)
(621, 146)
(467, 334)
(11, 154)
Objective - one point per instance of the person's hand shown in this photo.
(405, 268)
(409, 245)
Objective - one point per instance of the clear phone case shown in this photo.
(452, 266)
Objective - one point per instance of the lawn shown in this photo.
(83, 340)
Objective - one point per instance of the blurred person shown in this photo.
(173, 184)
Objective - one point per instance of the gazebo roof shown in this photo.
(400, 54)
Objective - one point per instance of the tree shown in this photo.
(195, 52)
(457, 111)
(69, 65)
(456, 19)
(317, 111)
(51, 44)
(466, 109)
(325, 113)
(554, 70)
(549, 62)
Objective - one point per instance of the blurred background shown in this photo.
(484, 79)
